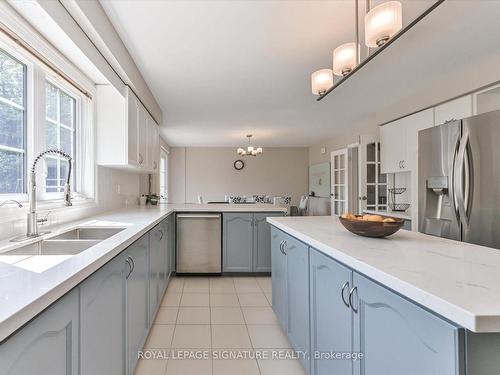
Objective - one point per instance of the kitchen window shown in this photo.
(40, 109)
(163, 174)
(12, 125)
(60, 121)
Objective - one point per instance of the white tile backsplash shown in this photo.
(109, 197)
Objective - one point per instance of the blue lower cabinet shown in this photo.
(47, 345)
(168, 250)
(399, 337)
(247, 242)
(173, 246)
(137, 300)
(297, 289)
(102, 319)
(279, 277)
(237, 243)
(262, 242)
(156, 267)
(331, 316)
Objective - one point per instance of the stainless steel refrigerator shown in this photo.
(459, 180)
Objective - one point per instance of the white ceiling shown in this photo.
(222, 69)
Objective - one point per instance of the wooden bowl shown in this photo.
(374, 229)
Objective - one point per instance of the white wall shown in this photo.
(340, 140)
(208, 171)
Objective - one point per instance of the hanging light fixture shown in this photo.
(382, 22)
(321, 81)
(250, 150)
(345, 58)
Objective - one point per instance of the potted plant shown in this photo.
(153, 199)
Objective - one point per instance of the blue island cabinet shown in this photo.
(290, 289)
(278, 279)
(47, 345)
(398, 337)
(331, 316)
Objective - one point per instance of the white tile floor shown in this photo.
(217, 315)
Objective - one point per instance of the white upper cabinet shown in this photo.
(399, 141)
(153, 151)
(127, 135)
(415, 123)
(132, 119)
(393, 147)
(487, 100)
(453, 110)
(143, 130)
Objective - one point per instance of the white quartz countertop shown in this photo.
(29, 284)
(456, 280)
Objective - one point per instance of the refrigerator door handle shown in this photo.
(452, 184)
(463, 180)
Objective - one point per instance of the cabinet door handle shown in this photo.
(133, 264)
(129, 267)
(346, 285)
(161, 234)
(281, 247)
(351, 293)
(284, 246)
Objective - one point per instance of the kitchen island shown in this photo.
(410, 303)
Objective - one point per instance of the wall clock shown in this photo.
(238, 165)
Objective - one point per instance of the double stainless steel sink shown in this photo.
(71, 242)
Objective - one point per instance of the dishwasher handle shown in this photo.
(195, 216)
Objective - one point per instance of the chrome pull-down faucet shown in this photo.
(32, 220)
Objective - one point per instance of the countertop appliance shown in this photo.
(199, 243)
(459, 180)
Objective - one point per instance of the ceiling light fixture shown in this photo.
(382, 22)
(250, 150)
(321, 81)
(345, 58)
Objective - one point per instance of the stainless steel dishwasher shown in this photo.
(199, 239)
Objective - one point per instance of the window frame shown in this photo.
(36, 76)
(25, 121)
(76, 139)
(163, 155)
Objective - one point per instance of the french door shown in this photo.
(339, 181)
(372, 184)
